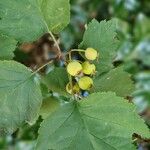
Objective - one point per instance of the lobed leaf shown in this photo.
(102, 37)
(7, 46)
(56, 13)
(56, 80)
(27, 20)
(20, 96)
(49, 105)
(101, 121)
(116, 80)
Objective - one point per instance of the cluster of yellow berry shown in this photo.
(81, 72)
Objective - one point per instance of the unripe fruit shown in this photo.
(74, 68)
(75, 89)
(91, 54)
(85, 83)
(68, 88)
(88, 68)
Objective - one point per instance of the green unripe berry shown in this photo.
(85, 83)
(74, 68)
(68, 88)
(75, 89)
(88, 68)
(91, 54)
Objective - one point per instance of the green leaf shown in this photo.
(7, 46)
(30, 19)
(102, 37)
(44, 91)
(20, 96)
(102, 121)
(56, 80)
(56, 13)
(49, 105)
(116, 80)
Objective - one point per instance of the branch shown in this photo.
(49, 62)
(59, 50)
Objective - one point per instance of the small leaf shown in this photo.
(7, 46)
(20, 96)
(116, 80)
(101, 121)
(49, 105)
(57, 80)
(30, 19)
(102, 37)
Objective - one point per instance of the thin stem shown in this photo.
(97, 58)
(53, 37)
(70, 77)
(69, 56)
(75, 50)
(49, 62)
(82, 55)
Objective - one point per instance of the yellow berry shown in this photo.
(91, 54)
(88, 68)
(74, 68)
(75, 89)
(85, 83)
(68, 88)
